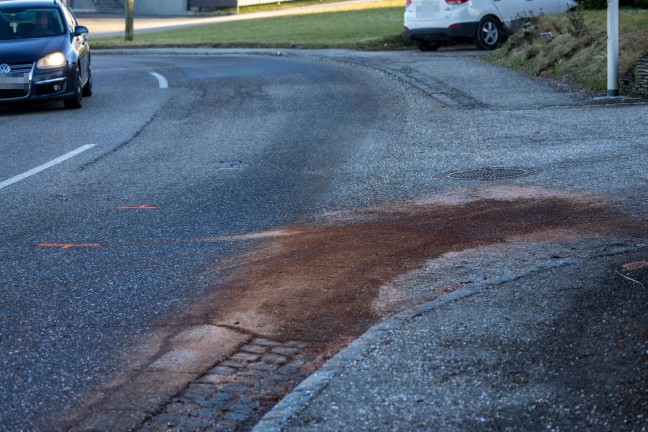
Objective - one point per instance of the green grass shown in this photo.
(580, 59)
(363, 27)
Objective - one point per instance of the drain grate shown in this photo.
(492, 173)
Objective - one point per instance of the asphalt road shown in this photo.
(234, 145)
(111, 245)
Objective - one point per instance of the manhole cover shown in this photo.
(493, 173)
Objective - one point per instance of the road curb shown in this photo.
(277, 419)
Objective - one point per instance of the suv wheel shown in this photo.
(489, 33)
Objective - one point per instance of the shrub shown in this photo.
(576, 21)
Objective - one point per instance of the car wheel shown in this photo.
(427, 46)
(75, 101)
(489, 33)
(87, 88)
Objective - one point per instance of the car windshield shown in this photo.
(30, 23)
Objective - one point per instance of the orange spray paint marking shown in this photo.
(140, 207)
(69, 245)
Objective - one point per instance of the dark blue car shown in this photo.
(44, 53)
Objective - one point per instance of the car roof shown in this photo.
(28, 3)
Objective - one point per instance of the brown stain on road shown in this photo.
(318, 283)
(321, 283)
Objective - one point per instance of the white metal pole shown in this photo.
(613, 47)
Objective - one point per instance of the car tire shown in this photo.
(87, 88)
(76, 101)
(489, 33)
(426, 46)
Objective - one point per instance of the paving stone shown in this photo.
(254, 373)
(296, 364)
(254, 349)
(193, 424)
(233, 364)
(235, 388)
(275, 358)
(270, 367)
(211, 415)
(222, 426)
(246, 380)
(273, 380)
(296, 344)
(251, 401)
(214, 379)
(221, 401)
(236, 393)
(199, 392)
(285, 351)
(222, 370)
(289, 372)
(243, 407)
(237, 417)
(239, 411)
(245, 357)
(265, 342)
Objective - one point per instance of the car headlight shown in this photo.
(52, 61)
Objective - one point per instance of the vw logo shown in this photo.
(5, 68)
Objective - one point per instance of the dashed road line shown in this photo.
(45, 166)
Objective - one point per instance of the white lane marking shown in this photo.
(43, 167)
(161, 80)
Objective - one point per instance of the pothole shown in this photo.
(488, 173)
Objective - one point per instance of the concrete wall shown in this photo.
(161, 7)
(258, 2)
(215, 4)
(81, 4)
(210, 4)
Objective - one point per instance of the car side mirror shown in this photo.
(80, 30)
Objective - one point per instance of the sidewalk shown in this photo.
(111, 25)
(559, 347)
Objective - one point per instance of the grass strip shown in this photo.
(369, 26)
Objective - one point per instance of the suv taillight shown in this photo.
(456, 1)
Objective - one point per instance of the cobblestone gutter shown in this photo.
(236, 393)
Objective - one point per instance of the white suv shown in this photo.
(485, 22)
